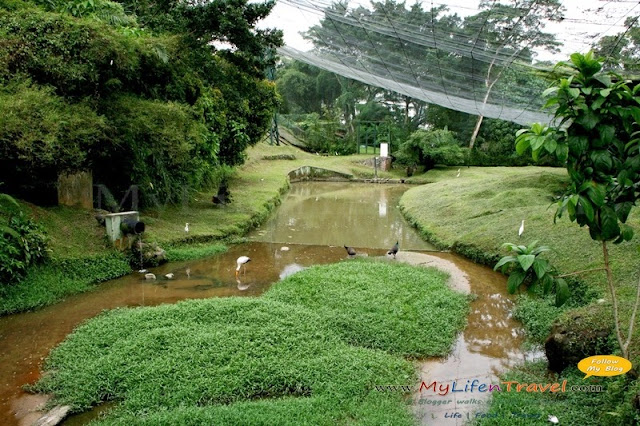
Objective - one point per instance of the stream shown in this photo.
(311, 226)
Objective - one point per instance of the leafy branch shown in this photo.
(598, 138)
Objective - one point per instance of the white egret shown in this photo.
(458, 175)
(186, 227)
(552, 419)
(169, 275)
(521, 230)
(242, 261)
(149, 276)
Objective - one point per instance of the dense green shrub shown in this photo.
(40, 136)
(156, 149)
(249, 105)
(22, 241)
(83, 87)
(430, 147)
(324, 135)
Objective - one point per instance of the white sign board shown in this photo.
(384, 150)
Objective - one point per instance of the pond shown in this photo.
(311, 226)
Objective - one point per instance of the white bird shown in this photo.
(521, 230)
(149, 276)
(241, 286)
(242, 261)
(186, 227)
(552, 419)
(458, 175)
(169, 275)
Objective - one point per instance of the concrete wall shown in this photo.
(317, 173)
(76, 190)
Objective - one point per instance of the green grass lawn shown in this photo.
(309, 351)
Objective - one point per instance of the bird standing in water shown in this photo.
(350, 251)
(242, 261)
(521, 230)
(394, 250)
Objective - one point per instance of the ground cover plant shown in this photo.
(596, 403)
(397, 308)
(258, 360)
(46, 284)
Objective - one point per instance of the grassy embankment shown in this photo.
(309, 351)
(82, 256)
(482, 209)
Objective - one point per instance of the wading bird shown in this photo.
(186, 227)
(458, 175)
(521, 230)
(242, 261)
(350, 251)
(394, 250)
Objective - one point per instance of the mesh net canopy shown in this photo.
(484, 58)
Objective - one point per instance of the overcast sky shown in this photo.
(585, 21)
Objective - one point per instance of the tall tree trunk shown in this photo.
(489, 83)
(406, 111)
(476, 130)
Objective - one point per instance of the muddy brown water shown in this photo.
(309, 228)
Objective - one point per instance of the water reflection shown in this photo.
(337, 213)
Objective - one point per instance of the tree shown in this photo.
(507, 33)
(430, 147)
(621, 50)
(348, 34)
(598, 137)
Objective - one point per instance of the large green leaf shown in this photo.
(550, 145)
(540, 266)
(623, 210)
(578, 144)
(515, 279)
(606, 133)
(526, 260)
(522, 145)
(597, 194)
(602, 160)
(547, 283)
(588, 208)
(609, 223)
(562, 292)
(588, 119)
(504, 261)
(562, 152)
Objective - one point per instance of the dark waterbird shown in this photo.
(350, 251)
(394, 250)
